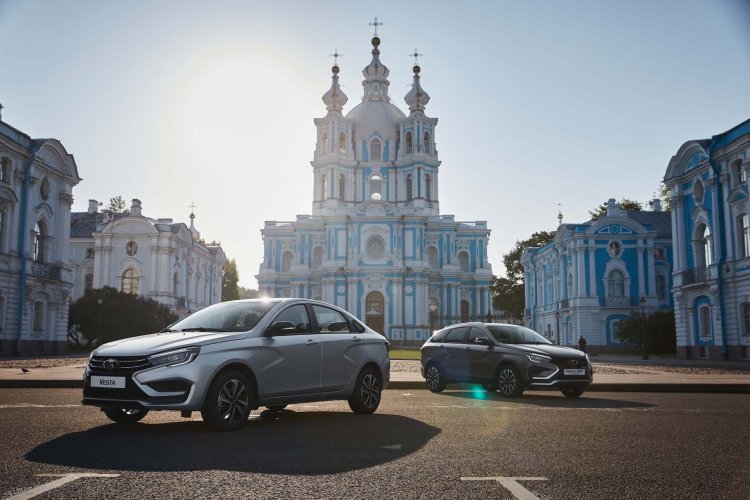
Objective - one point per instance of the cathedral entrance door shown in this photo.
(375, 316)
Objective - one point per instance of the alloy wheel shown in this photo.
(507, 381)
(369, 391)
(432, 378)
(233, 401)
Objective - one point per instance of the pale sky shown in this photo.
(540, 102)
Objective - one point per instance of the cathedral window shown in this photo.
(409, 143)
(409, 187)
(428, 187)
(286, 261)
(342, 187)
(324, 140)
(37, 325)
(376, 184)
(130, 281)
(705, 322)
(342, 143)
(323, 187)
(317, 260)
(745, 318)
(661, 287)
(463, 262)
(427, 143)
(615, 284)
(432, 256)
(698, 191)
(5, 170)
(743, 234)
(703, 246)
(376, 153)
(739, 173)
(38, 243)
(88, 281)
(44, 189)
(375, 248)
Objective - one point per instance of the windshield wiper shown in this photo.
(200, 329)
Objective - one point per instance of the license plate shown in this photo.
(108, 382)
(575, 371)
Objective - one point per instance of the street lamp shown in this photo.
(99, 301)
(643, 327)
(557, 326)
(433, 308)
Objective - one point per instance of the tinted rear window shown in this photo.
(456, 335)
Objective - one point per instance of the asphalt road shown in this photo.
(418, 445)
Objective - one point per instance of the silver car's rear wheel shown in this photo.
(366, 397)
(228, 400)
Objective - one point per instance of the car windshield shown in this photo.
(512, 334)
(237, 316)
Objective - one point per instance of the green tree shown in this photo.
(117, 205)
(659, 329)
(249, 293)
(666, 199)
(229, 278)
(507, 292)
(625, 204)
(104, 315)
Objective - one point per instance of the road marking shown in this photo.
(511, 484)
(64, 479)
(31, 405)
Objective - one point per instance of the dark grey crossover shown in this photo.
(231, 358)
(504, 358)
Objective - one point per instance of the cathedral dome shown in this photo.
(375, 116)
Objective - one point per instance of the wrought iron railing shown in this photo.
(46, 271)
(618, 301)
(697, 275)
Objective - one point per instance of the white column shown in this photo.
(581, 269)
(592, 270)
(641, 278)
(651, 271)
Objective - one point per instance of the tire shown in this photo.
(490, 387)
(125, 415)
(367, 391)
(276, 407)
(228, 400)
(435, 378)
(509, 382)
(571, 391)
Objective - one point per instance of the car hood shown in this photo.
(145, 345)
(556, 351)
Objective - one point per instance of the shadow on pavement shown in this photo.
(305, 443)
(547, 399)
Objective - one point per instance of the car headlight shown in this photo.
(173, 358)
(538, 358)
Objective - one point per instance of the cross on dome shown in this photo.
(415, 55)
(376, 24)
(335, 56)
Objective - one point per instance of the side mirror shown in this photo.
(482, 341)
(336, 326)
(280, 328)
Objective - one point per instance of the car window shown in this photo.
(438, 337)
(297, 314)
(512, 334)
(456, 335)
(356, 325)
(330, 320)
(476, 333)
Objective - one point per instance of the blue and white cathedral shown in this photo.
(376, 243)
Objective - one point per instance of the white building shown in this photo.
(376, 243)
(155, 258)
(36, 185)
(708, 182)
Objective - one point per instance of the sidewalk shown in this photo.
(647, 379)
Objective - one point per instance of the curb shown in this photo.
(725, 388)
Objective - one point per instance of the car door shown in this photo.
(343, 348)
(481, 356)
(456, 355)
(291, 360)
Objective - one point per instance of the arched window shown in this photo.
(615, 284)
(375, 248)
(743, 236)
(408, 187)
(465, 309)
(317, 257)
(427, 143)
(324, 141)
(463, 262)
(286, 261)
(130, 281)
(428, 187)
(37, 325)
(738, 172)
(375, 150)
(432, 256)
(38, 243)
(661, 286)
(88, 281)
(176, 284)
(703, 248)
(376, 183)
(323, 187)
(409, 148)
(342, 143)
(342, 187)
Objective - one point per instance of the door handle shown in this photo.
(311, 342)
(356, 339)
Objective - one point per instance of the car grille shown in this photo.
(126, 365)
(562, 364)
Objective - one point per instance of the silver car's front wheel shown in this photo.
(366, 397)
(227, 403)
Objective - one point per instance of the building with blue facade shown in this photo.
(595, 274)
(708, 183)
(376, 243)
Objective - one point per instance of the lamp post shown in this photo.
(557, 326)
(433, 308)
(99, 317)
(643, 327)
